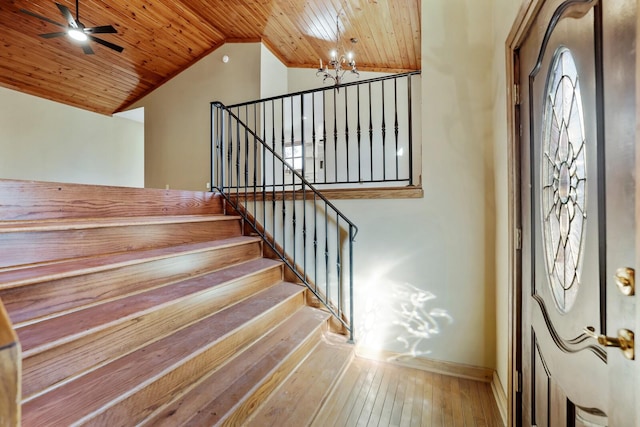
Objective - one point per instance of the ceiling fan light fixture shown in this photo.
(77, 34)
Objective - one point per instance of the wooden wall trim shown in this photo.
(521, 25)
(459, 370)
(10, 372)
(413, 192)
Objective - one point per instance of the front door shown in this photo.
(576, 78)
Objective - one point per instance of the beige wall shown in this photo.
(504, 13)
(47, 141)
(425, 269)
(177, 115)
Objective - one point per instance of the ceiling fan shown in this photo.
(76, 30)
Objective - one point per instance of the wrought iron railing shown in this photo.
(353, 135)
(295, 220)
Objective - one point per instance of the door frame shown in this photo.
(523, 22)
(521, 26)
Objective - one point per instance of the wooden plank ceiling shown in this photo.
(162, 38)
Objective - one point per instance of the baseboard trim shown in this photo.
(500, 396)
(438, 366)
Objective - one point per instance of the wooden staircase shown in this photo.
(152, 307)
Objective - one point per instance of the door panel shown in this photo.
(577, 200)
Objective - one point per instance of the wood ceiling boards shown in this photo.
(162, 38)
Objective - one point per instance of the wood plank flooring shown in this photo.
(373, 393)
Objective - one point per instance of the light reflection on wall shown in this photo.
(397, 317)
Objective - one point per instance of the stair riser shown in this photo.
(41, 300)
(45, 369)
(45, 200)
(23, 248)
(134, 408)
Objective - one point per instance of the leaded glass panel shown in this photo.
(564, 179)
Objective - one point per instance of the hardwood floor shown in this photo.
(375, 393)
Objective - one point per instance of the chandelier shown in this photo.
(333, 70)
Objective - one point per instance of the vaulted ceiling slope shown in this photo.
(163, 37)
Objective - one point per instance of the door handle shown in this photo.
(626, 280)
(624, 341)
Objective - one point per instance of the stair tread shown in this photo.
(115, 381)
(74, 267)
(48, 333)
(49, 367)
(28, 304)
(14, 226)
(211, 399)
(302, 394)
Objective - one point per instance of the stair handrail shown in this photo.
(217, 158)
(10, 372)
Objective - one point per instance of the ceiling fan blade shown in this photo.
(67, 15)
(106, 43)
(87, 49)
(105, 29)
(44, 18)
(52, 35)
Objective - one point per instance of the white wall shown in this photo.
(46, 141)
(504, 13)
(177, 115)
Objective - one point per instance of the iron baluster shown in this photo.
(326, 252)
(351, 240)
(346, 129)
(230, 154)
(284, 196)
(264, 169)
(315, 241)
(395, 98)
(370, 134)
(273, 171)
(384, 137)
(324, 134)
(237, 184)
(410, 127)
(246, 159)
(359, 134)
(313, 135)
(338, 266)
(335, 136)
(302, 140)
(304, 230)
(255, 166)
